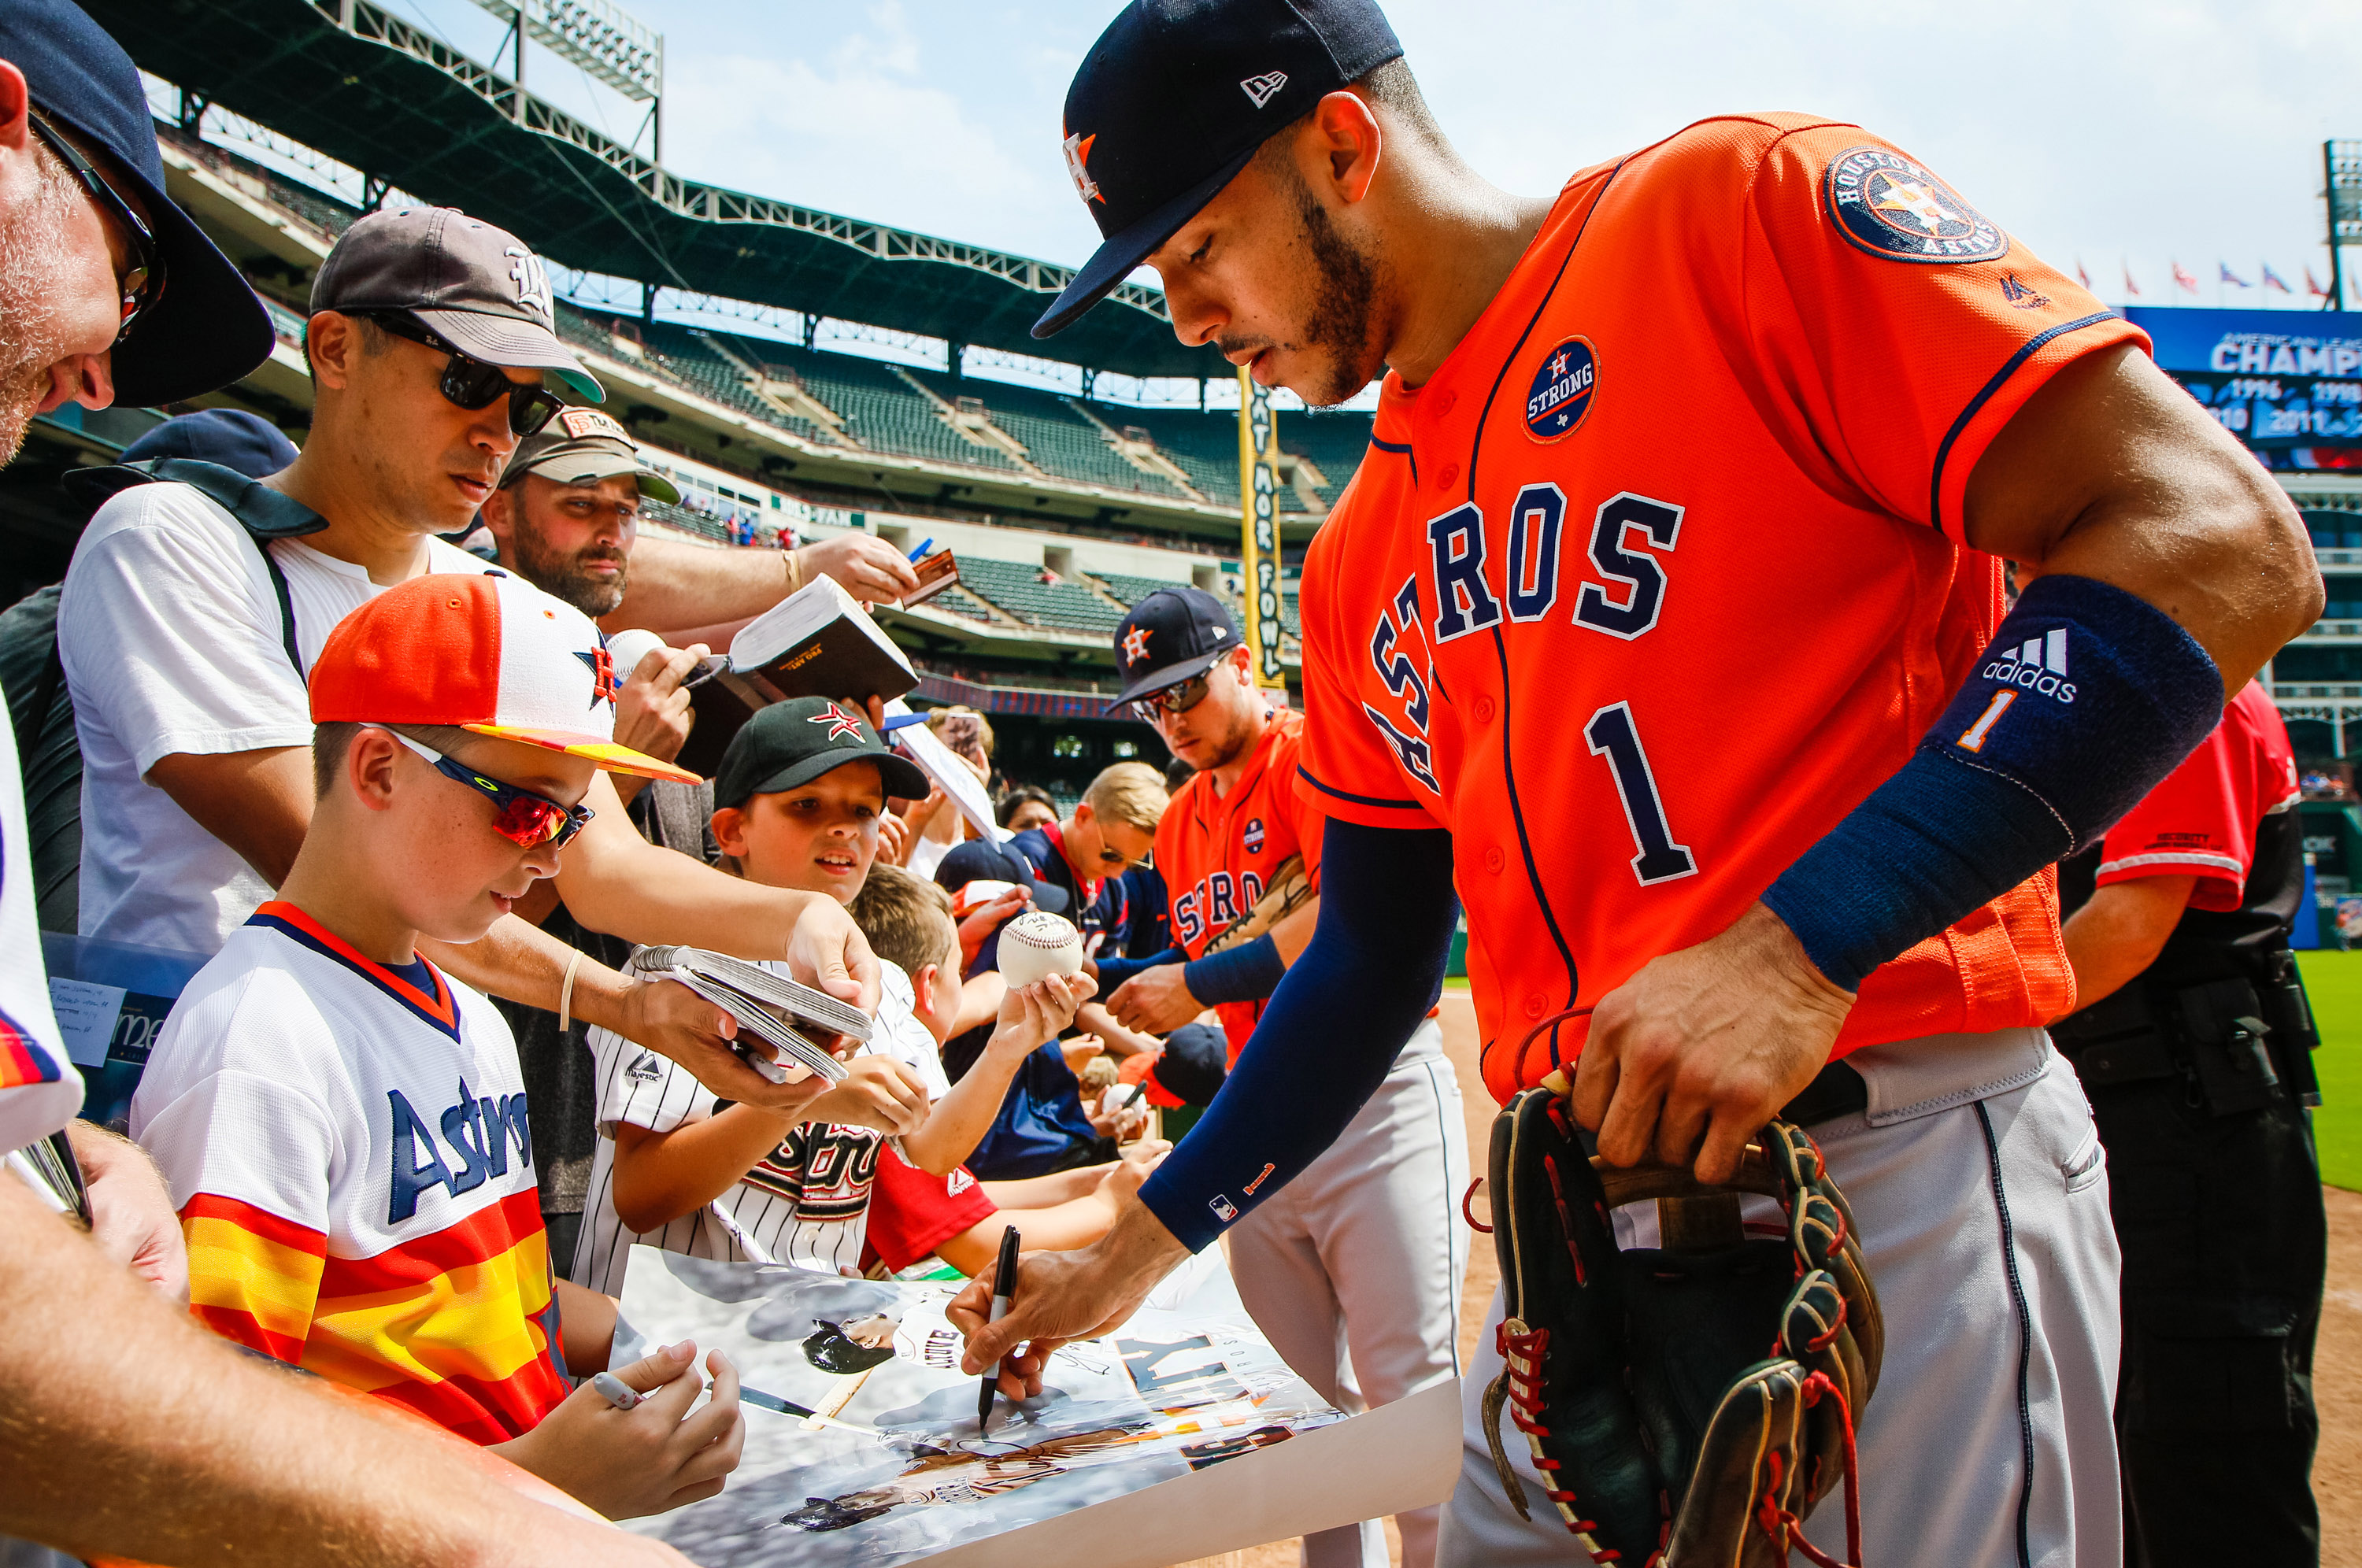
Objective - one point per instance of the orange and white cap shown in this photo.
(489, 653)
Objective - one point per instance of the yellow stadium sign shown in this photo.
(1259, 527)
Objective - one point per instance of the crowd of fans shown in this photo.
(398, 798)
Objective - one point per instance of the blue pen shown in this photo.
(924, 547)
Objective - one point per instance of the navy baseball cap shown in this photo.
(796, 741)
(1169, 637)
(207, 328)
(1177, 96)
(235, 440)
(980, 861)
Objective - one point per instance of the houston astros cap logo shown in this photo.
(1135, 645)
(1560, 394)
(602, 674)
(1078, 152)
(840, 723)
(1890, 206)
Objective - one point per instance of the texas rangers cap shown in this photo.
(796, 741)
(206, 328)
(582, 446)
(487, 652)
(1169, 637)
(979, 860)
(1174, 98)
(479, 287)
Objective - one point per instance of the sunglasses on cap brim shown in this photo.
(469, 383)
(522, 817)
(143, 283)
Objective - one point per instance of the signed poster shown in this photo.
(1170, 1394)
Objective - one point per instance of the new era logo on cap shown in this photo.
(1261, 88)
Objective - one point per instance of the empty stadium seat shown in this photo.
(1018, 588)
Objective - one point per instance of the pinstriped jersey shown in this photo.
(1662, 570)
(348, 1148)
(1216, 852)
(806, 1203)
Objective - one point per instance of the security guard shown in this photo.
(2193, 1040)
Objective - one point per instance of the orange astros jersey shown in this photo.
(1216, 853)
(1661, 572)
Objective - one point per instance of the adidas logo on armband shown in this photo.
(2039, 666)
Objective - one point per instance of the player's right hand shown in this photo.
(657, 1456)
(1063, 1296)
(878, 1092)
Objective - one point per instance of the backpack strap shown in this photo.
(262, 512)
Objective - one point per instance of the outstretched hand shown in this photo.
(1690, 1057)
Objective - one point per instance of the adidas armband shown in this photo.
(2086, 699)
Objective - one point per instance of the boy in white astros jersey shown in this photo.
(342, 1126)
(798, 801)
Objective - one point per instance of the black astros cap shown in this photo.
(796, 741)
(206, 328)
(1169, 637)
(582, 446)
(979, 861)
(1174, 98)
(479, 287)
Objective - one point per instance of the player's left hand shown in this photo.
(130, 1209)
(1154, 1001)
(1690, 1057)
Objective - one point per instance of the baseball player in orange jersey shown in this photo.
(1354, 1272)
(1663, 621)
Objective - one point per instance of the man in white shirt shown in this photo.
(184, 643)
(132, 1433)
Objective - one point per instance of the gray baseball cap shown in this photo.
(582, 446)
(479, 287)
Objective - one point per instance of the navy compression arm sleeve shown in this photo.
(1114, 972)
(1330, 1035)
(1249, 972)
(2087, 697)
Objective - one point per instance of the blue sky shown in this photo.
(2139, 131)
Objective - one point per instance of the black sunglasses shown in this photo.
(1179, 697)
(470, 384)
(143, 284)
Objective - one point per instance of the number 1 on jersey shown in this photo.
(1611, 735)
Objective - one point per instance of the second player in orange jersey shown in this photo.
(1355, 1272)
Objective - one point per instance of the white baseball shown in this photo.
(626, 649)
(1038, 944)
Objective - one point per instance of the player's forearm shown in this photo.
(127, 1431)
(674, 585)
(1329, 1036)
(661, 1176)
(2120, 933)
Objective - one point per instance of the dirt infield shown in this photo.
(2337, 1372)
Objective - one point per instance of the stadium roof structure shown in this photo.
(389, 98)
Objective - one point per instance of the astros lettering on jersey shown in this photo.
(1216, 853)
(354, 1171)
(1661, 572)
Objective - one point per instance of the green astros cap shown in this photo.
(796, 741)
(582, 446)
